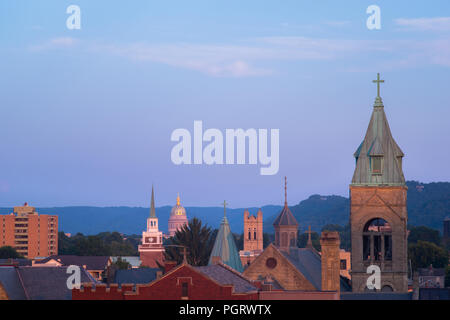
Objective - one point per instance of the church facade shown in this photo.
(378, 213)
(286, 267)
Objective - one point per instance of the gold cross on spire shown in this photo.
(378, 81)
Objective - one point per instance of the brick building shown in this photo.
(183, 282)
(31, 234)
(253, 237)
(291, 269)
(378, 212)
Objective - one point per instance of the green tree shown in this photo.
(424, 253)
(102, 244)
(8, 252)
(197, 240)
(121, 264)
(424, 234)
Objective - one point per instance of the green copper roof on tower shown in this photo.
(225, 248)
(378, 158)
(152, 206)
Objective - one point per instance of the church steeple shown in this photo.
(378, 158)
(152, 205)
(224, 249)
(286, 226)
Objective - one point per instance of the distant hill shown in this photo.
(428, 205)
(132, 220)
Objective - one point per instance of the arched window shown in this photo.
(377, 240)
(292, 242)
(284, 239)
(254, 233)
(387, 288)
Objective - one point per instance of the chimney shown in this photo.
(329, 242)
(216, 260)
(169, 265)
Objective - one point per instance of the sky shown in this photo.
(86, 115)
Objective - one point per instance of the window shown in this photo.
(376, 165)
(377, 240)
(343, 264)
(254, 234)
(271, 263)
(184, 290)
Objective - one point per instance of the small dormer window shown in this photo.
(376, 164)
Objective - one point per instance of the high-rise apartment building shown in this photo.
(31, 234)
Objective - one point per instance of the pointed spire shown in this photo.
(309, 243)
(224, 248)
(285, 217)
(285, 191)
(378, 158)
(178, 199)
(152, 205)
(224, 209)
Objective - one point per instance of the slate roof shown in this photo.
(378, 141)
(225, 248)
(91, 262)
(49, 283)
(308, 262)
(135, 276)
(38, 283)
(285, 218)
(227, 276)
(9, 279)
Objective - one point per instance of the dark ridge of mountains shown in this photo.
(428, 205)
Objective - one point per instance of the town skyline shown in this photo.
(95, 108)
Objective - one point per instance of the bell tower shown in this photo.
(151, 250)
(378, 213)
(253, 231)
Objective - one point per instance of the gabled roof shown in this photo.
(33, 283)
(285, 218)
(227, 276)
(49, 283)
(10, 282)
(91, 262)
(378, 141)
(225, 248)
(308, 262)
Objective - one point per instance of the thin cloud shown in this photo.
(55, 43)
(253, 58)
(424, 24)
